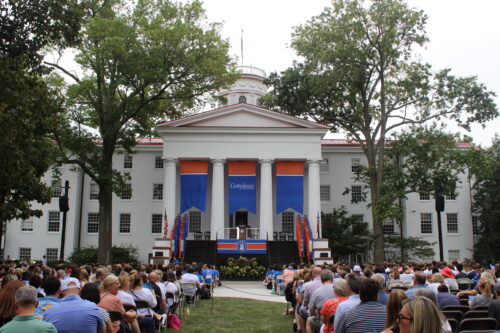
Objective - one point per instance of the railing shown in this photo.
(241, 233)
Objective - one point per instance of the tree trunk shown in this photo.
(378, 230)
(105, 206)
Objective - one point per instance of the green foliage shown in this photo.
(142, 62)
(484, 166)
(413, 248)
(242, 269)
(361, 75)
(119, 254)
(346, 236)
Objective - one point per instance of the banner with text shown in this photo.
(289, 186)
(194, 177)
(242, 246)
(242, 186)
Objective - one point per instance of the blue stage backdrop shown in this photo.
(242, 186)
(289, 186)
(194, 177)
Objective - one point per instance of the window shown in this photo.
(156, 223)
(356, 195)
(451, 196)
(93, 223)
(158, 162)
(426, 223)
(287, 222)
(195, 221)
(475, 225)
(388, 227)
(27, 225)
(24, 253)
(324, 192)
(127, 161)
(453, 255)
(56, 188)
(452, 223)
(52, 253)
(126, 192)
(425, 196)
(157, 191)
(124, 223)
(54, 221)
(94, 191)
(323, 166)
(242, 99)
(355, 164)
(358, 218)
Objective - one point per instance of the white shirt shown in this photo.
(170, 287)
(190, 278)
(125, 297)
(162, 289)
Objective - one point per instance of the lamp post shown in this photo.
(64, 207)
(439, 200)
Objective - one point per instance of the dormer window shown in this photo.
(243, 99)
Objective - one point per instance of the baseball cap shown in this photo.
(357, 268)
(70, 283)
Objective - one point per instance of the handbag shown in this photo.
(173, 322)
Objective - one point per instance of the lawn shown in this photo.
(236, 315)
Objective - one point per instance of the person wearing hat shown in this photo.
(25, 321)
(73, 314)
(449, 278)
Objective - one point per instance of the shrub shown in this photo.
(119, 254)
(242, 269)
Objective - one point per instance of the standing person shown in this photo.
(73, 314)
(418, 315)
(8, 300)
(25, 321)
(394, 305)
(367, 316)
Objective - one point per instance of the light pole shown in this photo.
(64, 207)
(439, 199)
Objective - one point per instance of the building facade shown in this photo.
(238, 132)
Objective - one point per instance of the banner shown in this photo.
(240, 246)
(194, 178)
(175, 237)
(242, 186)
(289, 186)
(165, 225)
(298, 232)
(308, 238)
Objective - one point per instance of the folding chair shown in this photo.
(462, 308)
(476, 314)
(189, 289)
(454, 325)
(478, 324)
(481, 308)
(453, 314)
(464, 284)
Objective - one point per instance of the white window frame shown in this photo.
(158, 191)
(128, 161)
(56, 188)
(287, 221)
(428, 223)
(452, 223)
(49, 253)
(323, 194)
(357, 193)
(93, 191)
(453, 255)
(26, 256)
(123, 223)
(126, 193)
(355, 164)
(27, 225)
(424, 196)
(388, 227)
(156, 222)
(194, 221)
(51, 221)
(358, 218)
(158, 162)
(475, 225)
(92, 221)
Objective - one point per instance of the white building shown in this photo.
(238, 131)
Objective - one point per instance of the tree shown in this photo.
(485, 170)
(361, 76)
(141, 63)
(29, 108)
(346, 235)
(399, 248)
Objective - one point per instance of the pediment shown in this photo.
(242, 116)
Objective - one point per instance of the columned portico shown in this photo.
(169, 193)
(217, 216)
(314, 204)
(266, 198)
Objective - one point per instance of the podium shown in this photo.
(242, 232)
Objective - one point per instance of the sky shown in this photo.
(464, 36)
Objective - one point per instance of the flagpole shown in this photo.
(241, 47)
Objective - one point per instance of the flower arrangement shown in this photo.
(242, 269)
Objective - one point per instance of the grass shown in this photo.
(235, 315)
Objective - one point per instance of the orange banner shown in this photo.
(290, 168)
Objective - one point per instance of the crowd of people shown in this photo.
(88, 299)
(388, 298)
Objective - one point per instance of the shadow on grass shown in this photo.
(236, 315)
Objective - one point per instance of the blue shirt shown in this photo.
(205, 272)
(411, 291)
(44, 303)
(74, 315)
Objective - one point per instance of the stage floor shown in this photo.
(247, 289)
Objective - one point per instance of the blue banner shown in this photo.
(289, 193)
(193, 191)
(242, 193)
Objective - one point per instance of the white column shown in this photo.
(314, 203)
(217, 217)
(169, 191)
(266, 199)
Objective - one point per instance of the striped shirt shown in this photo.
(366, 317)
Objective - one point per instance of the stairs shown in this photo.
(279, 252)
